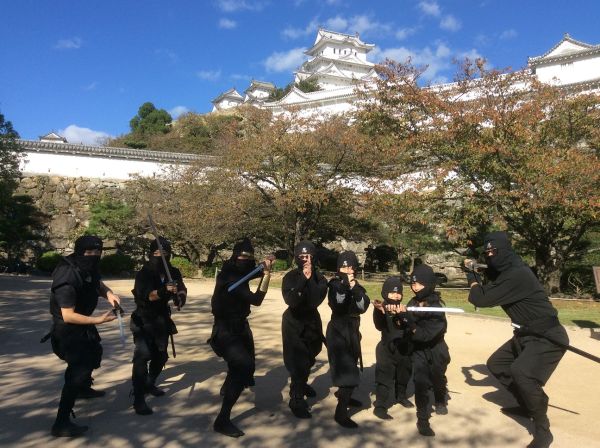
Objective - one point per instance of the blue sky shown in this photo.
(83, 67)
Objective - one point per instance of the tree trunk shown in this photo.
(548, 270)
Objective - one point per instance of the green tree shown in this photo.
(10, 153)
(150, 120)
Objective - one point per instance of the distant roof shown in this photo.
(231, 94)
(254, 84)
(54, 137)
(566, 48)
(324, 36)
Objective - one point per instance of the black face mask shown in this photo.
(424, 293)
(245, 266)
(88, 263)
(156, 264)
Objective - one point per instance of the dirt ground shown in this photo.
(31, 379)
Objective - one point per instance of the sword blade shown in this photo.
(434, 309)
(121, 329)
(246, 277)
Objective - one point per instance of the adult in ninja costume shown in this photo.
(430, 351)
(76, 286)
(348, 300)
(151, 322)
(393, 352)
(524, 363)
(231, 336)
(303, 289)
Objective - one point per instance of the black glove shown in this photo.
(179, 300)
(344, 278)
(163, 293)
(473, 276)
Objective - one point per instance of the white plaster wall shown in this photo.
(570, 72)
(85, 166)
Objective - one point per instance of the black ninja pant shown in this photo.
(149, 358)
(524, 364)
(302, 342)
(429, 372)
(392, 373)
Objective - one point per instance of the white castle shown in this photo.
(338, 63)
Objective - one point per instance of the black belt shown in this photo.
(538, 325)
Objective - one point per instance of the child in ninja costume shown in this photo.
(430, 353)
(348, 300)
(393, 353)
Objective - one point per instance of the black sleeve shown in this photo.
(317, 286)
(379, 319)
(64, 286)
(143, 285)
(338, 295)
(244, 293)
(507, 288)
(360, 301)
(65, 296)
(177, 277)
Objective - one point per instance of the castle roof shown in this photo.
(566, 49)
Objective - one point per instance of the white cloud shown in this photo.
(167, 54)
(450, 23)
(430, 8)
(437, 59)
(337, 23)
(472, 54)
(74, 134)
(362, 24)
(509, 34)
(285, 60)
(240, 5)
(237, 76)
(91, 86)
(227, 24)
(403, 33)
(333, 2)
(295, 33)
(209, 75)
(73, 43)
(178, 110)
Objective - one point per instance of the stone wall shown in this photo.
(66, 202)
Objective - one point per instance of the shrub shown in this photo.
(280, 265)
(48, 261)
(115, 264)
(187, 268)
(209, 271)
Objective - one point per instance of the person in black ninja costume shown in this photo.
(231, 336)
(76, 286)
(348, 300)
(524, 363)
(303, 289)
(151, 322)
(430, 351)
(393, 352)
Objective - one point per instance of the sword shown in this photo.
(166, 266)
(433, 309)
(119, 313)
(246, 277)
(560, 344)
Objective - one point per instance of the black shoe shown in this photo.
(345, 421)
(515, 411)
(381, 412)
(441, 408)
(353, 403)
(90, 393)
(142, 408)
(299, 408)
(67, 429)
(424, 428)
(541, 440)
(405, 402)
(154, 391)
(225, 427)
(309, 391)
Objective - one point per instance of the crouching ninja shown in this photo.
(303, 289)
(151, 322)
(524, 363)
(430, 353)
(348, 300)
(75, 289)
(231, 336)
(393, 352)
